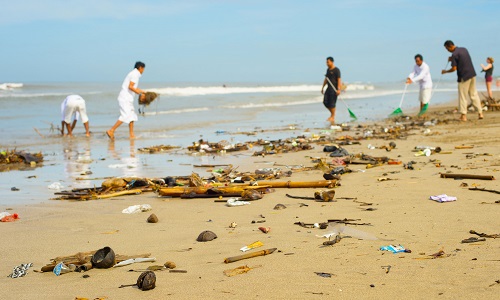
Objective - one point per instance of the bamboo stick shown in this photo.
(249, 255)
(468, 176)
(299, 184)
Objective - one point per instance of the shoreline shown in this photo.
(402, 214)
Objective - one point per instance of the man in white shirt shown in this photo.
(421, 74)
(71, 108)
(126, 100)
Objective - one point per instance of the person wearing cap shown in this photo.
(126, 100)
(488, 74)
(421, 74)
(461, 62)
(72, 108)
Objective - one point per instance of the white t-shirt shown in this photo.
(125, 92)
(422, 75)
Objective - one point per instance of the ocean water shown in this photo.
(186, 112)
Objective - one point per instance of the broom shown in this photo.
(426, 106)
(351, 114)
(398, 111)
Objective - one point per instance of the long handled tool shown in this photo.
(426, 106)
(398, 111)
(351, 114)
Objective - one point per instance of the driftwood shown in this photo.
(249, 255)
(348, 221)
(492, 236)
(219, 191)
(468, 176)
(299, 184)
(83, 258)
(484, 190)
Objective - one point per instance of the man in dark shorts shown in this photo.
(466, 77)
(331, 94)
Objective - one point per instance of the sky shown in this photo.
(258, 41)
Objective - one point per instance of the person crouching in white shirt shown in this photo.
(126, 100)
(71, 108)
(421, 74)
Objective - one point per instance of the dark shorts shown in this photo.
(489, 78)
(330, 99)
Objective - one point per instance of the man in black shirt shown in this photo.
(330, 96)
(462, 63)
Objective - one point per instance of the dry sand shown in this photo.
(403, 215)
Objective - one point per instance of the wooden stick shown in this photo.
(299, 184)
(468, 176)
(122, 193)
(484, 190)
(249, 255)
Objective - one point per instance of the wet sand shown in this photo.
(403, 215)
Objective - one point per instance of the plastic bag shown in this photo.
(236, 202)
(137, 208)
(335, 229)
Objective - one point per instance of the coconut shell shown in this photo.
(152, 219)
(206, 236)
(279, 206)
(146, 281)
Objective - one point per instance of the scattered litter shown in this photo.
(20, 271)
(387, 268)
(265, 229)
(170, 265)
(279, 206)
(145, 282)
(443, 198)
(252, 246)
(332, 242)
(7, 217)
(61, 268)
(324, 275)
(395, 249)
(473, 240)
(493, 236)
(335, 229)
(55, 186)
(249, 255)
(134, 260)
(137, 208)
(239, 270)
(206, 236)
(231, 202)
(233, 225)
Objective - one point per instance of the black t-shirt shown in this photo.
(333, 75)
(461, 59)
(489, 72)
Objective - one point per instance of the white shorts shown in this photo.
(425, 96)
(127, 110)
(74, 105)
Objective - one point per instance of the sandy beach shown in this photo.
(401, 213)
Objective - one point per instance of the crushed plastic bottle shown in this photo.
(395, 249)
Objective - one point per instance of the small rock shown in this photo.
(86, 276)
(372, 285)
(170, 265)
(152, 219)
(14, 189)
(233, 225)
